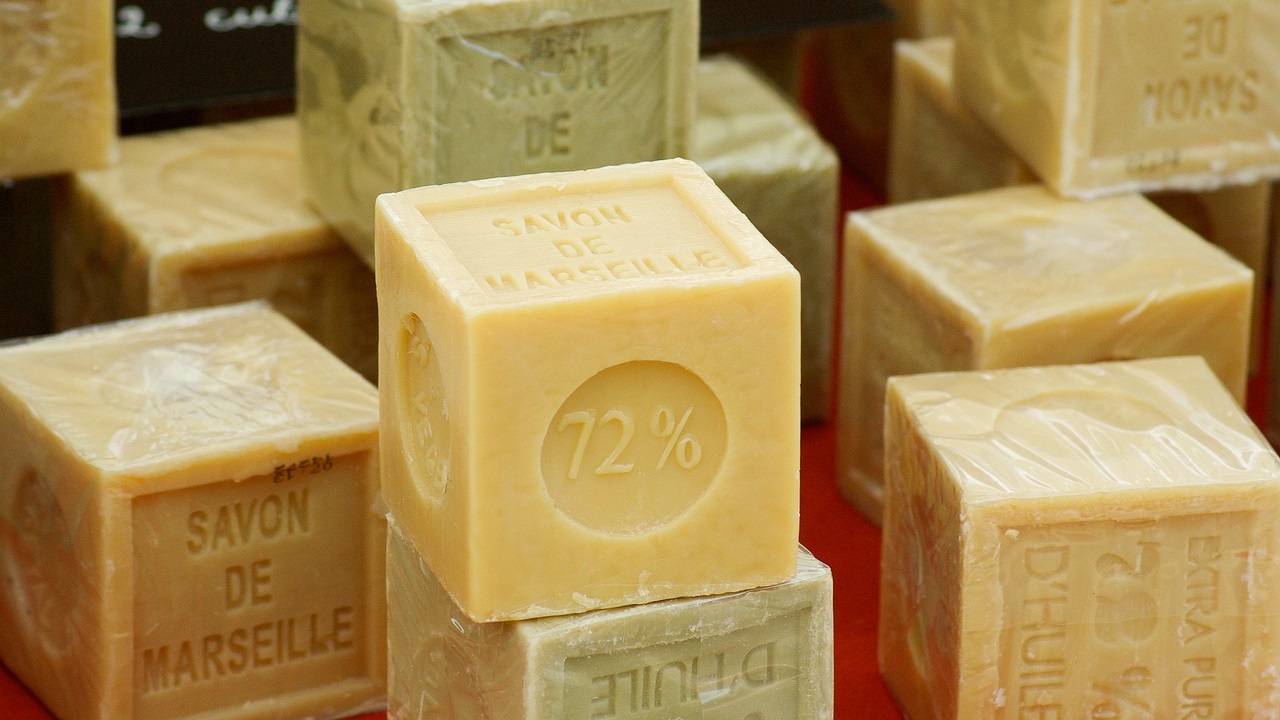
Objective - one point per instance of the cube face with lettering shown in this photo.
(1107, 96)
(590, 388)
(401, 93)
(1015, 277)
(210, 216)
(775, 167)
(185, 521)
(763, 653)
(57, 87)
(1078, 541)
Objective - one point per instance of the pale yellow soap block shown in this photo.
(186, 525)
(1018, 276)
(394, 94)
(590, 389)
(1104, 97)
(763, 653)
(774, 166)
(210, 216)
(57, 86)
(1079, 542)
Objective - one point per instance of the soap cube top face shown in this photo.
(539, 380)
(212, 187)
(1122, 515)
(405, 94)
(766, 650)
(57, 87)
(144, 397)
(1104, 96)
(1012, 256)
(743, 123)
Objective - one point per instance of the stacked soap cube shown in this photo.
(555, 443)
(1066, 540)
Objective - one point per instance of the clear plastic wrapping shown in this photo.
(167, 487)
(1064, 540)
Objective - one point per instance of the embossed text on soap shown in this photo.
(557, 241)
(1157, 607)
(753, 672)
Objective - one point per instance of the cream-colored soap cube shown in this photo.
(210, 216)
(1119, 95)
(762, 654)
(186, 525)
(57, 86)
(395, 94)
(1018, 276)
(775, 167)
(1079, 541)
(590, 389)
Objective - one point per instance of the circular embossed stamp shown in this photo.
(424, 412)
(42, 564)
(633, 447)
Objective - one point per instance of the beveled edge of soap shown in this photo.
(400, 210)
(479, 16)
(359, 424)
(1187, 384)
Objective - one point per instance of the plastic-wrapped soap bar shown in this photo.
(1104, 97)
(764, 654)
(590, 389)
(1079, 541)
(1018, 276)
(401, 93)
(210, 216)
(57, 86)
(775, 167)
(186, 525)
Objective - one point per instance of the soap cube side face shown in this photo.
(170, 484)
(499, 89)
(59, 603)
(774, 166)
(766, 651)
(1114, 536)
(1179, 96)
(203, 217)
(893, 324)
(937, 147)
(629, 445)
(57, 87)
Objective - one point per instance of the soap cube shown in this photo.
(590, 389)
(207, 216)
(763, 653)
(57, 87)
(403, 93)
(774, 166)
(1105, 97)
(1018, 276)
(186, 525)
(1079, 541)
